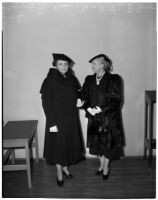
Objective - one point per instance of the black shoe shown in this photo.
(99, 172)
(68, 176)
(60, 183)
(105, 177)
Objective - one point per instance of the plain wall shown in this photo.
(126, 32)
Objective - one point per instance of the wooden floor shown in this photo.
(129, 178)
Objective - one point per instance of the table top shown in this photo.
(14, 130)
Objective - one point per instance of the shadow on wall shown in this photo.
(79, 121)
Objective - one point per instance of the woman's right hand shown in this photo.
(53, 129)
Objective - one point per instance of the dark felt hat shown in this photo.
(58, 56)
(99, 56)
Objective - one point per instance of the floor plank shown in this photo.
(129, 178)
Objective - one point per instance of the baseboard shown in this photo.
(125, 157)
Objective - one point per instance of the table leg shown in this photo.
(36, 147)
(31, 151)
(13, 156)
(28, 164)
(145, 129)
(150, 132)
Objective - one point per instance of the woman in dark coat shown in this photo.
(63, 142)
(102, 96)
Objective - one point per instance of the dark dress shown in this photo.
(59, 97)
(108, 96)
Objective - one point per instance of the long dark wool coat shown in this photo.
(59, 97)
(108, 96)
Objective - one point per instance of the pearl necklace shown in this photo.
(98, 79)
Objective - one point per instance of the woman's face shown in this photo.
(62, 66)
(97, 66)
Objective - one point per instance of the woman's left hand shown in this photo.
(97, 109)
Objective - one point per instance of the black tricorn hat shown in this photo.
(59, 56)
(99, 56)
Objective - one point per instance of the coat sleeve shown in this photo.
(47, 101)
(85, 93)
(114, 99)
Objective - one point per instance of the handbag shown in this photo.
(97, 128)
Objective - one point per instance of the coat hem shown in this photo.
(65, 163)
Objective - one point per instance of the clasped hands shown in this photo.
(94, 111)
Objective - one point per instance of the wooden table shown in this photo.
(20, 134)
(149, 142)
